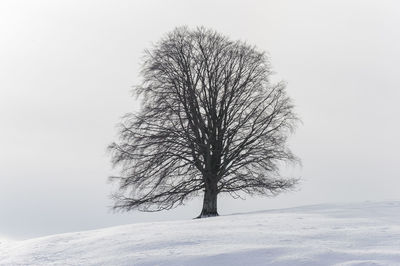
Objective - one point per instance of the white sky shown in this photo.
(67, 67)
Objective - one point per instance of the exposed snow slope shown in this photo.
(352, 234)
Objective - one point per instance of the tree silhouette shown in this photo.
(211, 121)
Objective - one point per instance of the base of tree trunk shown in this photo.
(209, 201)
(207, 214)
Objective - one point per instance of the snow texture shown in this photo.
(347, 234)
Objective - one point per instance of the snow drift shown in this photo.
(351, 234)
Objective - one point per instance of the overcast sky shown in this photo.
(67, 68)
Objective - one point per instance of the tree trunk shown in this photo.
(210, 201)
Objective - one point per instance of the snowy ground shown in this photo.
(351, 234)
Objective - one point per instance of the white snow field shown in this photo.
(343, 234)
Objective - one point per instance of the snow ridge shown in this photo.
(347, 234)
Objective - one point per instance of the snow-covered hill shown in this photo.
(352, 234)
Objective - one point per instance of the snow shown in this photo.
(342, 234)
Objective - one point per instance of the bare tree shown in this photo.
(211, 120)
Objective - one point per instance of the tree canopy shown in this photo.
(211, 122)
